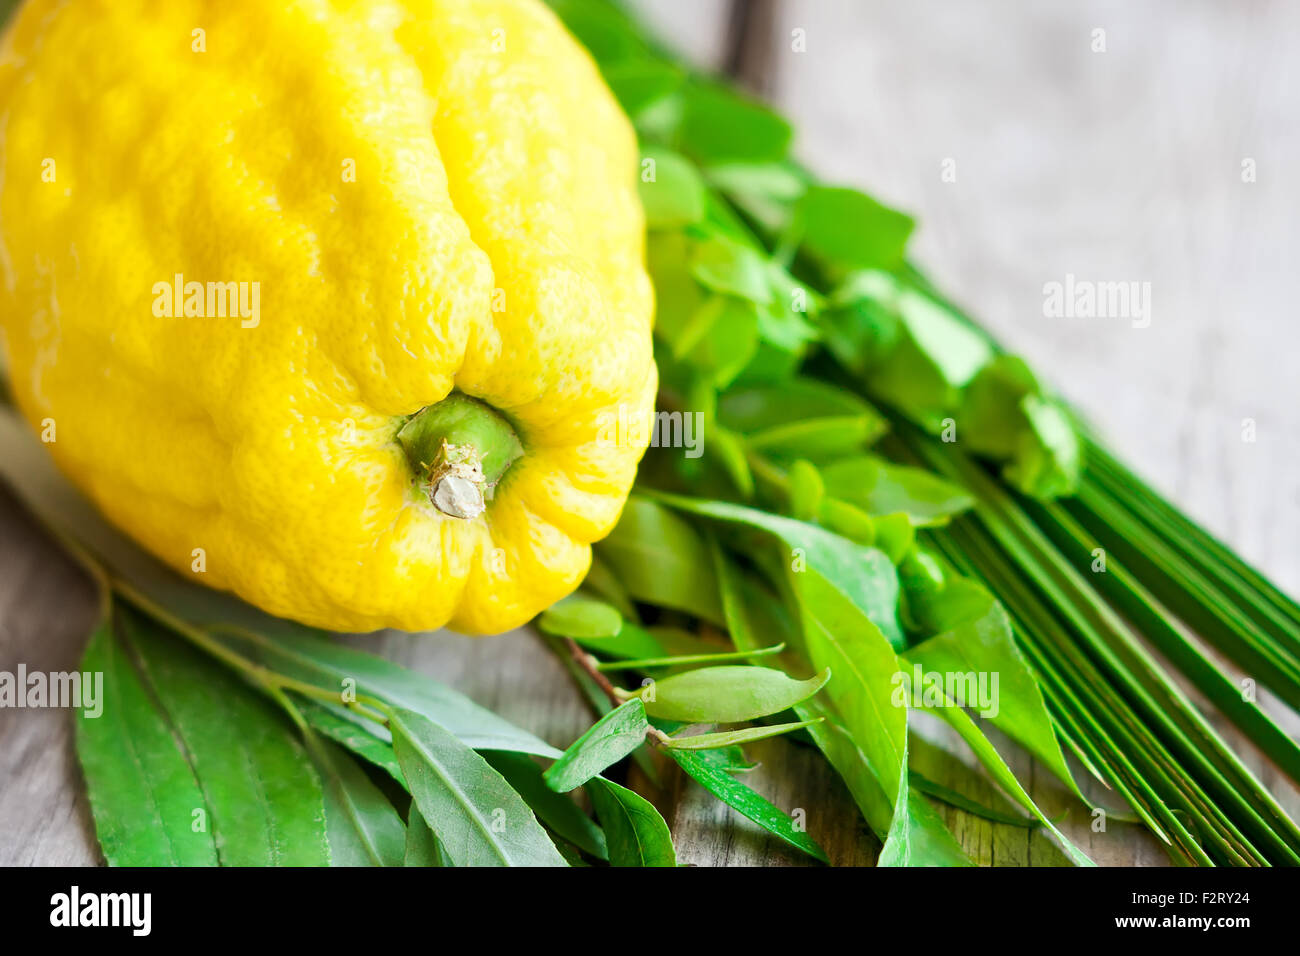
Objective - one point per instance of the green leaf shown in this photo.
(678, 295)
(143, 793)
(740, 797)
(581, 617)
(720, 338)
(984, 644)
(364, 828)
(422, 847)
(675, 196)
(910, 350)
(557, 811)
(961, 721)
(721, 264)
(635, 833)
(478, 818)
(640, 84)
(953, 798)
(264, 799)
(894, 535)
(334, 667)
(800, 418)
(766, 192)
(719, 126)
(733, 738)
(1006, 415)
(352, 732)
(728, 694)
(863, 576)
(661, 560)
(929, 841)
(848, 230)
(689, 659)
(807, 490)
(607, 742)
(881, 488)
(840, 637)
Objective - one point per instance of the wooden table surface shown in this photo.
(1122, 164)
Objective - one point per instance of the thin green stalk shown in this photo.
(1163, 704)
(1205, 609)
(1153, 621)
(1192, 541)
(1106, 706)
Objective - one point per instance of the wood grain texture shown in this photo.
(1122, 165)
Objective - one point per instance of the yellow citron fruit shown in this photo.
(243, 242)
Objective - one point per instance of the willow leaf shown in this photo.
(364, 828)
(556, 810)
(608, 741)
(143, 793)
(264, 797)
(962, 722)
(634, 831)
(335, 667)
(740, 797)
(477, 816)
(732, 738)
(727, 694)
(985, 645)
(350, 733)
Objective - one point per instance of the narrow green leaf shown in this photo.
(727, 694)
(754, 806)
(961, 722)
(607, 742)
(349, 731)
(143, 793)
(422, 846)
(335, 667)
(686, 659)
(264, 796)
(733, 738)
(478, 818)
(634, 831)
(953, 798)
(364, 828)
(863, 576)
(840, 637)
(556, 810)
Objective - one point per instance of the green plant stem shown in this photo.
(1161, 704)
(369, 707)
